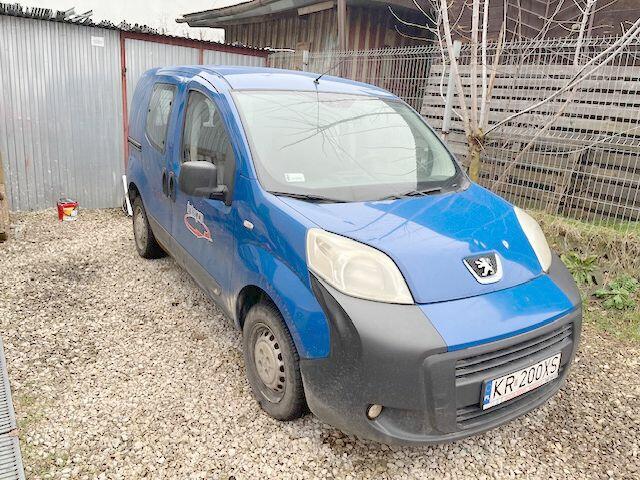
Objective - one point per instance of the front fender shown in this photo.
(301, 311)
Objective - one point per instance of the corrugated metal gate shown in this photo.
(215, 57)
(142, 55)
(62, 120)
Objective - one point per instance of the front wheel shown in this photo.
(272, 363)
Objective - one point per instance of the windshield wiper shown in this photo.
(413, 193)
(423, 193)
(307, 197)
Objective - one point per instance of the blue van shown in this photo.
(373, 282)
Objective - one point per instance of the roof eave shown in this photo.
(250, 12)
(233, 10)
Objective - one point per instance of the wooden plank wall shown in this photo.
(367, 28)
(586, 165)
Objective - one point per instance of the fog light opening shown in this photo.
(374, 411)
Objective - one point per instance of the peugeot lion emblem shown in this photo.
(486, 268)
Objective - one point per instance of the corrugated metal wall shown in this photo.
(61, 113)
(61, 118)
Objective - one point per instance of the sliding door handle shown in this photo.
(165, 183)
(172, 187)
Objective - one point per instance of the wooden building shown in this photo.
(314, 25)
(321, 25)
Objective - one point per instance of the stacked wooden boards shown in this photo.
(587, 164)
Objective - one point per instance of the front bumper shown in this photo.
(429, 394)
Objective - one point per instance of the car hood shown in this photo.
(429, 237)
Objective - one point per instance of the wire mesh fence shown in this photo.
(403, 71)
(576, 155)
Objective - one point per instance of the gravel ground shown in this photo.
(121, 368)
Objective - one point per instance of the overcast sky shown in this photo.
(155, 13)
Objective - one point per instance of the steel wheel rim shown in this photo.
(269, 363)
(139, 229)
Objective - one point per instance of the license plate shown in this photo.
(510, 386)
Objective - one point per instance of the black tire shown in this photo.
(146, 243)
(264, 328)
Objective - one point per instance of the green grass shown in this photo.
(616, 249)
(624, 325)
(39, 463)
(612, 225)
(600, 230)
(29, 412)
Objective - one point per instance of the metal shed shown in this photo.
(65, 89)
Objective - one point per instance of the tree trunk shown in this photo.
(475, 148)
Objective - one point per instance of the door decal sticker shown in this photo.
(194, 221)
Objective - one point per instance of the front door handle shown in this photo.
(165, 183)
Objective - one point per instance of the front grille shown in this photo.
(466, 367)
(485, 366)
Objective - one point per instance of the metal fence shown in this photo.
(584, 165)
(404, 70)
(582, 147)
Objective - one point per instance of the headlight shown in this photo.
(536, 238)
(355, 269)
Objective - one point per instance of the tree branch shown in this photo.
(583, 26)
(538, 134)
(485, 27)
(475, 22)
(484, 117)
(454, 67)
(611, 51)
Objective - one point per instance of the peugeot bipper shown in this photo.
(372, 281)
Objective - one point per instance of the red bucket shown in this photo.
(67, 210)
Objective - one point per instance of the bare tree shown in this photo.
(444, 23)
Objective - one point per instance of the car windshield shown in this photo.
(340, 147)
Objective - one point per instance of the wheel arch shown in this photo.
(249, 296)
(133, 192)
(265, 276)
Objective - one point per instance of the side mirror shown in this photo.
(200, 179)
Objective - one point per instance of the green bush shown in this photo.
(583, 268)
(619, 293)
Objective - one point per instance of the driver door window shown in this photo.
(205, 138)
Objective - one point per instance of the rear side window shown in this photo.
(205, 137)
(158, 114)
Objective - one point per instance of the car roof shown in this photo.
(261, 78)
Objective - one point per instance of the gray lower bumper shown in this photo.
(429, 395)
